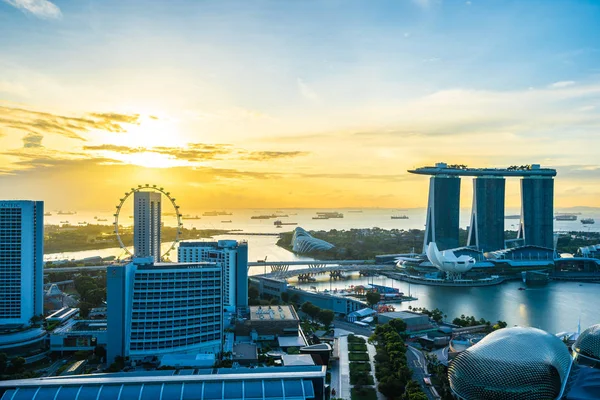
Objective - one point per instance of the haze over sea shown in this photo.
(556, 307)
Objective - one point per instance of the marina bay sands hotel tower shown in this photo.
(486, 228)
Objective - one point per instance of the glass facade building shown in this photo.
(231, 256)
(486, 229)
(512, 364)
(146, 224)
(156, 309)
(21, 262)
(537, 211)
(443, 211)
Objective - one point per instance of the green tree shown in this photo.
(373, 298)
(17, 365)
(310, 309)
(398, 325)
(100, 351)
(326, 317)
(253, 293)
(285, 297)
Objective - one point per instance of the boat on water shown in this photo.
(66, 213)
(565, 217)
(102, 220)
(280, 223)
(47, 214)
(226, 222)
(399, 217)
(320, 217)
(191, 217)
(64, 222)
(355, 211)
(329, 214)
(513, 216)
(587, 221)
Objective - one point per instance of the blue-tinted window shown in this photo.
(274, 389)
(234, 390)
(309, 390)
(25, 394)
(129, 392)
(171, 391)
(110, 392)
(87, 392)
(46, 393)
(67, 393)
(151, 392)
(293, 388)
(213, 390)
(192, 391)
(253, 390)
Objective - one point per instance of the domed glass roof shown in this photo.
(588, 343)
(511, 364)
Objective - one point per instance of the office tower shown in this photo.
(486, 230)
(21, 262)
(443, 210)
(537, 211)
(157, 309)
(146, 224)
(232, 257)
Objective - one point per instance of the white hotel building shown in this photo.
(158, 308)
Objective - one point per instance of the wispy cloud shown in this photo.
(306, 91)
(40, 8)
(273, 155)
(71, 127)
(32, 141)
(561, 84)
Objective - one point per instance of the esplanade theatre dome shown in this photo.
(512, 364)
(587, 347)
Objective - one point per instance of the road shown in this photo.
(349, 326)
(418, 365)
(51, 370)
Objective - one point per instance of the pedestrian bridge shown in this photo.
(283, 271)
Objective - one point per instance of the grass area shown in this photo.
(360, 367)
(363, 393)
(361, 379)
(352, 339)
(358, 356)
(357, 347)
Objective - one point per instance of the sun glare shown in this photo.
(149, 160)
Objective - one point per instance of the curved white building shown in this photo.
(303, 242)
(447, 261)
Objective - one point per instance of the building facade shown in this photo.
(537, 211)
(146, 224)
(231, 256)
(486, 230)
(156, 309)
(443, 210)
(21, 262)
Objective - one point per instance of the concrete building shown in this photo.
(486, 229)
(443, 209)
(269, 322)
(414, 321)
(146, 224)
(232, 257)
(79, 335)
(157, 309)
(21, 274)
(267, 383)
(537, 211)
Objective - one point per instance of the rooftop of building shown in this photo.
(147, 263)
(463, 170)
(244, 351)
(292, 382)
(403, 314)
(63, 313)
(273, 313)
(221, 244)
(81, 326)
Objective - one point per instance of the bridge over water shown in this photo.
(283, 272)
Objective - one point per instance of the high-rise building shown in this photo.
(146, 224)
(486, 230)
(537, 211)
(443, 210)
(156, 309)
(21, 261)
(232, 257)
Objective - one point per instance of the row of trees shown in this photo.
(14, 369)
(391, 366)
(316, 313)
(92, 292)
(465, 321)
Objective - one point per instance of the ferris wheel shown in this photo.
(148, 188)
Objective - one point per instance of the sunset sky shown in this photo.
(233, 104)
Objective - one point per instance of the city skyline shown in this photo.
(281, 104)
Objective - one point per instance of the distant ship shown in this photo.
(265, 216)
(514, 216)
(355, 211)
(215, 213)
(66, 213)
(226, 222)
(320, 217)
(102, 220)
(565, 217)
(191, 217)
(587, 221)
(47, 214)
(399, 217)
(329, 214)
(278, 223)
(64, 222)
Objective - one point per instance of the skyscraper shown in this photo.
(157, 309)
(232, 257)
(486, 229)
(443, 210)
(146, 224)
(537, 211)
(21, 262)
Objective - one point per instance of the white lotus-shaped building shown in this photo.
(447, 261)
